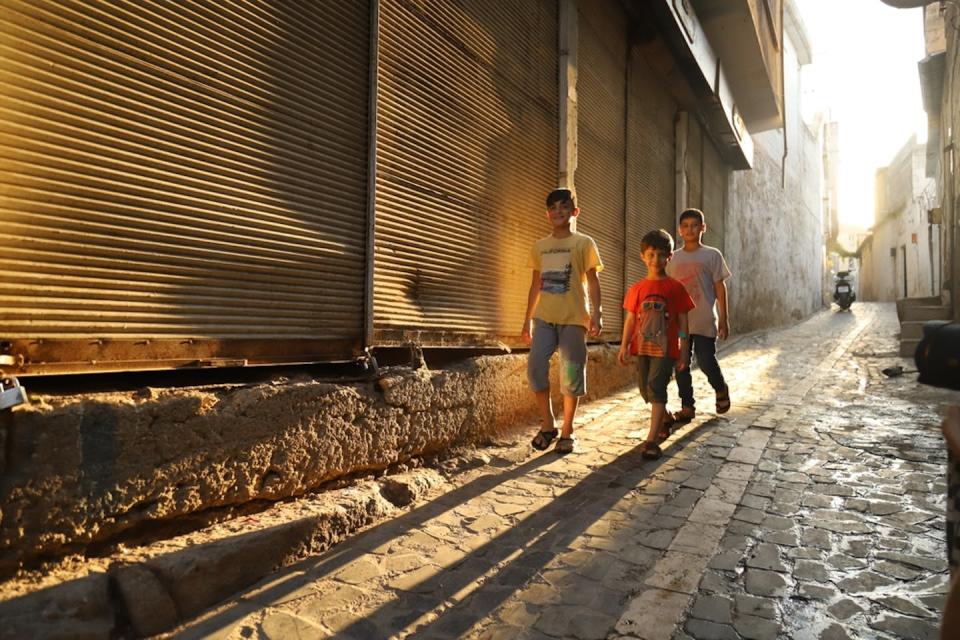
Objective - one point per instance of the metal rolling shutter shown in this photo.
(601, 140)
(183, 182)
(715, 174)
(466, 152)
(651, 185)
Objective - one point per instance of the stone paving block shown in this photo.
(844, 609)
(756, 628)
(698, 538)
(717, 609)
(811, 570)
(781, 538)
(520, 613)
(896, 570)
(705, 630)
(748, 605)
(813, 591)
(766, 583)
(710, 511)
(745, 455)
(735, 471)
(678, 572)
(745, 514)
(835, 632)
(906, 627)
(864, 582)
(904, 606)
(653, 614)
(279, 625)
(574, 622)
(726, 490)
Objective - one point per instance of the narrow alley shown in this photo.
(813, 509)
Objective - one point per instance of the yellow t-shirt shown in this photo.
(563, 264)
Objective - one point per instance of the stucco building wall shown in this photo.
(904, 257)
(775, 233)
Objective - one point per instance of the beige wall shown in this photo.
(774, 242)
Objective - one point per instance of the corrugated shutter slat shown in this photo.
(192, 169)
(466, 152)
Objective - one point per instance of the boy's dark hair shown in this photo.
(691, 213)
(659, 240)
(561, 195)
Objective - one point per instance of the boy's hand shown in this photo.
(622, 356)
(596, 323)
(525, 333)
(723, 329)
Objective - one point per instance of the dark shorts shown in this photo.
(653, 375)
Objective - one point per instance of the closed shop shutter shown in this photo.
(651, 190)
(467, 139)
(601, 140)
(715, 175)
(184, 182)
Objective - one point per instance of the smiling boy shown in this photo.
(655, 329)
(565, 266)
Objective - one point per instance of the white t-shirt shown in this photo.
(698, 270)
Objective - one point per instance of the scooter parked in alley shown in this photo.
(843, 293)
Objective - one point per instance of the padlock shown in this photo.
(11, 393)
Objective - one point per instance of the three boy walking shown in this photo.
(664, 316)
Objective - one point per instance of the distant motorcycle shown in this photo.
(843, 293)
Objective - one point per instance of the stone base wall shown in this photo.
(78, 470)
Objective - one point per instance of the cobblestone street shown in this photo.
(813, 509)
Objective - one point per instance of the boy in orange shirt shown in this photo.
(655, 329)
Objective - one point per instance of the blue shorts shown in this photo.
(571, 341)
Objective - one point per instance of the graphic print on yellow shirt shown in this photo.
(555, 271)
(563, 264)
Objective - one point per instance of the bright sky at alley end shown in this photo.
(864, 76)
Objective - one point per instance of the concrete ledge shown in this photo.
(85, 469)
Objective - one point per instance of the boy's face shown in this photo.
(559, 213)
(655, 259)
(691, 230)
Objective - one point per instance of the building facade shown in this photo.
(902, 258)
(200, 186)
(775, 227)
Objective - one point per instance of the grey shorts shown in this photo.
(571, 340)
(653, 375)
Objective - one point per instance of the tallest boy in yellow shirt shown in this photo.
(565, 266)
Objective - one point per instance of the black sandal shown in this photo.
(723, 400)
(566, 445)
(650, 451)
(543, 439)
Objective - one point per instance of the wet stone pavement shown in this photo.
(813, 509)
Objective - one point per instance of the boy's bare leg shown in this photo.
(657, 411)
(547, 420)
(570, 404)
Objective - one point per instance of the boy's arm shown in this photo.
(628, 323)
(723, 324)
(684, 342)
(596, 312)
(533, 296)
